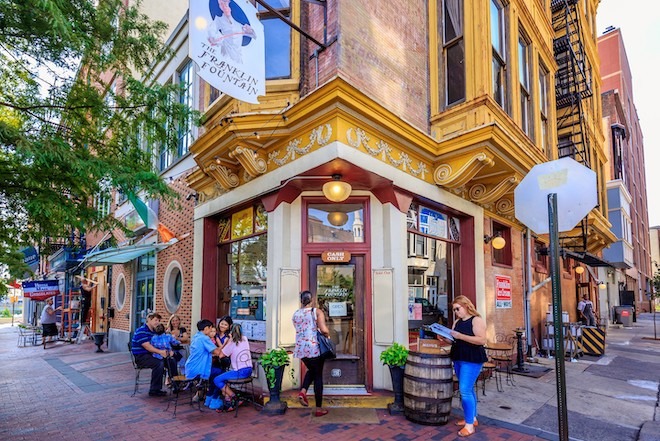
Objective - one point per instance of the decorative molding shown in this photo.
(447, 176)
(293, 148)
(481, 194)
(212, 193)
(385, 151)
(253, 163)
(505, 206)
(225, 176)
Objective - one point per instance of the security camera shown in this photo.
(191, 196)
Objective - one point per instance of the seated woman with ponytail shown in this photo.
(238, 351)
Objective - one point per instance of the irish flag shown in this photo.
(150, 218)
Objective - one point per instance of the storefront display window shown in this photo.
(244, 239)
(433, 239)
(335, 223)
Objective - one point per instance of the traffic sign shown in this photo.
(574, 184)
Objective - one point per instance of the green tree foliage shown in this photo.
(76, 116)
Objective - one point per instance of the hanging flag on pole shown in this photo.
(150, 218)
(226, 41)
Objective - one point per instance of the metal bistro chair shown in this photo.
(26, 335)
(180, 385)
(138, 370)
(244, 387)
(501, 355)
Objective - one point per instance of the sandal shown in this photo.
(302, 398)
(465, 432)
(462, 423)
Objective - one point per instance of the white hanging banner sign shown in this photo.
(226, 41)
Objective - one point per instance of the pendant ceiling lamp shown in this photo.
(337, 190)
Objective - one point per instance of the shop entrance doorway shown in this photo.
(340, 292)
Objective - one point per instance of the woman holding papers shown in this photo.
(468, 354)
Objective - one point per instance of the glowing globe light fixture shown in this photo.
(497, 242)
(337, 190)
(337, 218)
(579, 270)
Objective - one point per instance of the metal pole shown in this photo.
(557, 318)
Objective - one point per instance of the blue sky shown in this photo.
(639, 21)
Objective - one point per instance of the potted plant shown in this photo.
(395, 358)
(273, 362)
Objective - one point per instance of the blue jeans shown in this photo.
(467, 374)
(221, 379)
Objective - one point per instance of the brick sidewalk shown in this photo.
(71, 392)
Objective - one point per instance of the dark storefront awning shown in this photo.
(588, 259)
(114, 256)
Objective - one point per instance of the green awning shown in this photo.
(120, 255)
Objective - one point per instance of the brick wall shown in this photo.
(384, 53)
(179, 219)
(504, 320)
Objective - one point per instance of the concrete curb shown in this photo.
(650, 431)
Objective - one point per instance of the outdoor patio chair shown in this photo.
(244, 389)
(26, 335)
(181, 385)
(138, 370)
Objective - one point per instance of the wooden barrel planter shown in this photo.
(427, 388)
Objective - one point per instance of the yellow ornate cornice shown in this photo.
(461, 170)
(226, 177)
(251, 161)
(486, 194)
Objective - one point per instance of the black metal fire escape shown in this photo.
(572, 85)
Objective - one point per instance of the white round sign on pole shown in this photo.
(574, 184)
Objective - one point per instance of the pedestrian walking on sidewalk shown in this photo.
(468, 355)
(307, 320)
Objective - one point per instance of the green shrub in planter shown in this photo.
(395, 355)
(273, 359)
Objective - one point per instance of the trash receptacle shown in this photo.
(624, 315)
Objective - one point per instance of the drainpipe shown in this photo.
(530, 289)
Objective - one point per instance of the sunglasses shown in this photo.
(456, 309)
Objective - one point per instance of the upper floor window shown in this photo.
(277, 36)
(524, 74)
(453, 52)
(544, 75)
(185, 79)
(165, 157)
(498, 42)
(103, 199)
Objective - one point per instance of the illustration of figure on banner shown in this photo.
(231, 30)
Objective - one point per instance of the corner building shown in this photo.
(433, 111)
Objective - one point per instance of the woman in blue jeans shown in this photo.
(238, 351)
(468, 354)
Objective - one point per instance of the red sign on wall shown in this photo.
(503, 292)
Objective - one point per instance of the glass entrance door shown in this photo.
(339, 290)
(144, 289)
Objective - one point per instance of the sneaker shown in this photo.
(207, 401)
(216, 403)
